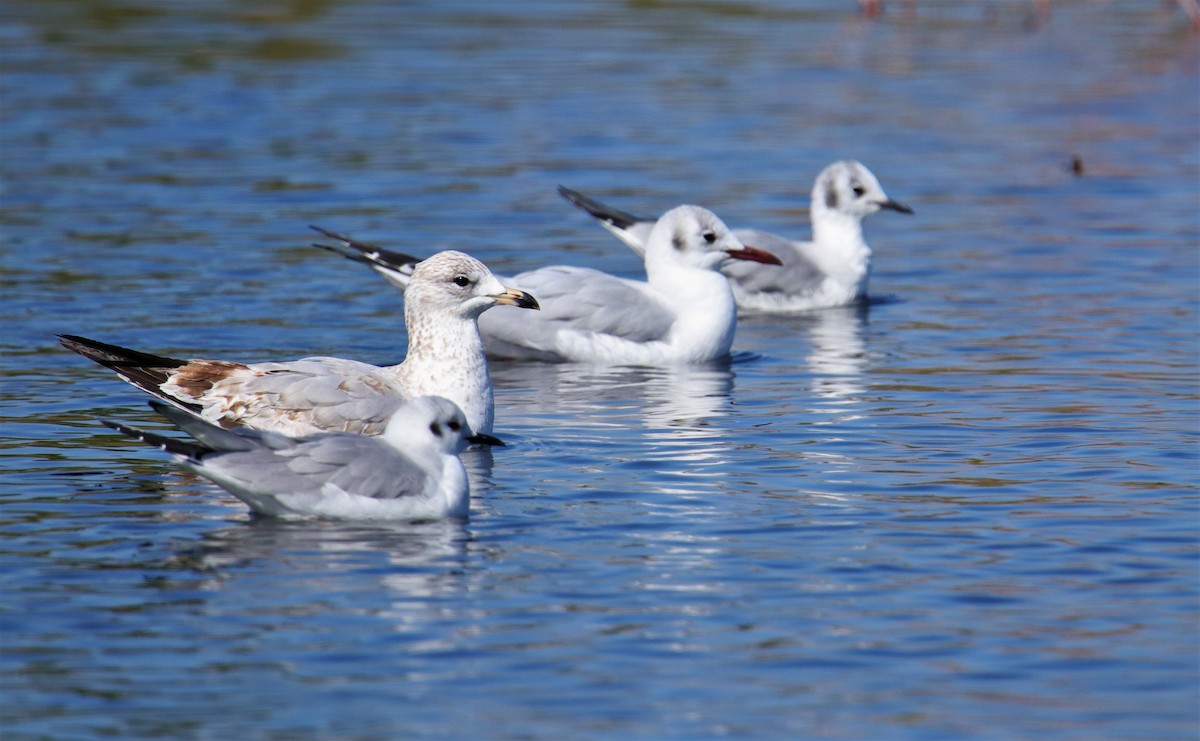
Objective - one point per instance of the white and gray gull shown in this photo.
(833, 269)
(683, 313)
(410, 472)
(446, 295)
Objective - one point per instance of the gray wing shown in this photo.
(332, 394)
(578, 300)
(357, 464)
(206, 433)
(797, 276)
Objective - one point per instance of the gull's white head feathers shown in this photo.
(457, 284)
(694, 237)
(847, 188)
(427, 428)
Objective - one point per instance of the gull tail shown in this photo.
(396, 267)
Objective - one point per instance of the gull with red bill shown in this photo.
(683, 313)
(831, 269)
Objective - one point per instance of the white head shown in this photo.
(455, 283)
(849, 189)
(426, 428)
(693, 237)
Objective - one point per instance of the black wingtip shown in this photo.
(171, 445)
(604, 212)
(364, 252)
(115, 356)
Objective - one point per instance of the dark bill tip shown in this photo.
(896, 206)
(480, 438)
(520, 299)
(754, 254)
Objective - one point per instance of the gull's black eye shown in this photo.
(462, 280)
(858, 190)
(454, 425)
(709, 237)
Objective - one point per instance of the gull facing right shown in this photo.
(410, 472)
(683, 313)
(831, 270)
(320, 394)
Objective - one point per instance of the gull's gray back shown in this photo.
(797, 275)
(574, 299)
(362, 465)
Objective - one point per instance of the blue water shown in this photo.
(968, 510)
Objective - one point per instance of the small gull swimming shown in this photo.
(446, 296)
(409, 472)
(683, 313)
(831, 270)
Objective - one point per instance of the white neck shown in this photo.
(839, 248)
(455, 489)
(449, 363)
(704, 304)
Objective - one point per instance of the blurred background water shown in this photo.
(966, 511)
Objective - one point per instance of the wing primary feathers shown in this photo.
(211, 436)
(144, 370)
(365, 252)
(186, 448)
(616, 217)
(115, 356)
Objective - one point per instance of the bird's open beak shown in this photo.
(754, 254)
(518, 298)
(481, 438)
(895, 206)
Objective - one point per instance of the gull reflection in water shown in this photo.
(837, 356)
(683, 402)
(393, 570)
(674, 413)
(817, 368)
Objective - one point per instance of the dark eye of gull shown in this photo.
(858, 190)
(454, 425)
(461, 280)
(710, 237)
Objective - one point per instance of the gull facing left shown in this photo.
(410, 472)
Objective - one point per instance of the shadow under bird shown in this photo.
(683, 313)
(833, 269)
(447, 294)
(409, 472)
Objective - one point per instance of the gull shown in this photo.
(446, 295)
(831, 270)
(409, 472)
(683, 313)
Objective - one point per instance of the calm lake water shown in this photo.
(968, 510)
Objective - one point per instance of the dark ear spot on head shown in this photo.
(831, 197)
(436, 429)
(677, 240)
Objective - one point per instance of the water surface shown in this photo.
(967, 510)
